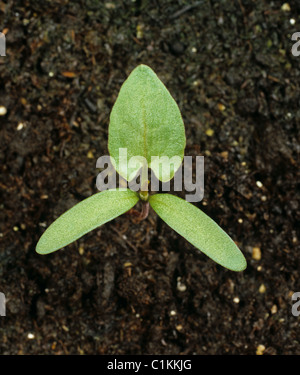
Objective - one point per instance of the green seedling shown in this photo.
(146, 121)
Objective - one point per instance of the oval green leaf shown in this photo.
(146, 121)
(199, 229)
(84, 217)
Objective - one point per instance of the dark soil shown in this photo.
(118, 290)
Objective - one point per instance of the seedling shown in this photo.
(146, 121)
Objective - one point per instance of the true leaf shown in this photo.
(84, 217)
(146, 120)
(199, 229)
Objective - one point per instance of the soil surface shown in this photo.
(128, 288)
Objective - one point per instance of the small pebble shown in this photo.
(90, 155)
(20, 126)
(224, 155)
(3, 110)
(236, 300)
(220, 20)
(260, 349)
(209, 132)
(274, 309)
(127, 264)
(110, 6)
(30, 336)
(286, 7)
(256, 253)
(262, 289)
(181, 287)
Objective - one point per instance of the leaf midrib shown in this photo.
(144, 124)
